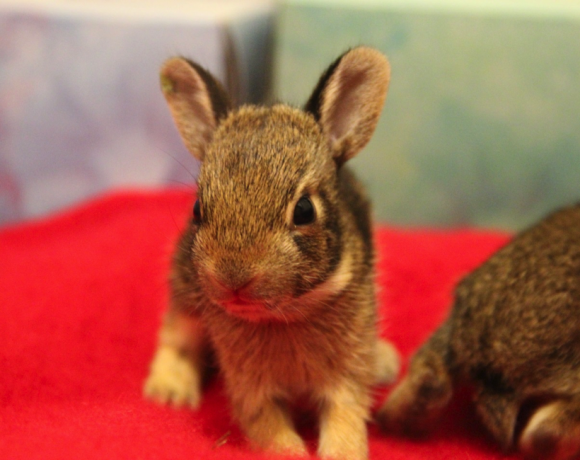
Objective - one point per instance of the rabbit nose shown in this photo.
(238, 286)
(244, 294)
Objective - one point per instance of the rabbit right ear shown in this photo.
(196, 100)
(348, 100)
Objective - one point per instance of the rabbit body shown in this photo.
(514, 335)
(274, 273)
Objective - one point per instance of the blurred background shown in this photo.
(481, 126)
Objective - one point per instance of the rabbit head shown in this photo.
(271, 236)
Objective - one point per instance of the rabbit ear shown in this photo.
(499, 413)
(196, 100)
(348, 100)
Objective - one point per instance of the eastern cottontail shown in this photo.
(274, 272)
(514, 335)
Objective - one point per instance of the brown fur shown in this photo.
(289, 310)
(514, 334)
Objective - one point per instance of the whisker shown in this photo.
(280, 312)
(184, 184)
(185, 168)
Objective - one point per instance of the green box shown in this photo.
(482, 122)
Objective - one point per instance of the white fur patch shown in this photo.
(335, 284)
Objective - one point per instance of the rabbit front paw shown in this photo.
(173, 379)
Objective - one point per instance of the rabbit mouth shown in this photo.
(258, 311)
(252, 311)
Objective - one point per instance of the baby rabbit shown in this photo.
(514, 335)
(274, 273)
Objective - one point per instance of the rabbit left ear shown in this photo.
(197, 102)
(348, 100)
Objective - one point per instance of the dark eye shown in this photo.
(304, 212)
(197, 212)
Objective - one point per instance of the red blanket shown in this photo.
(81, 297)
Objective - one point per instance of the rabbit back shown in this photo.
(515, 320)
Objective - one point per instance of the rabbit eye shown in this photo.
(304, 212)
(197, 212)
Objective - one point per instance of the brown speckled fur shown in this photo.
(308, 327)
(514, 335)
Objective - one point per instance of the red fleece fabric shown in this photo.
(81, 298)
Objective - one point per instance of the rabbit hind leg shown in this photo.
(553, 431)
(387, 362)
(423, 393)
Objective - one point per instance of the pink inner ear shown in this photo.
(345, 103)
